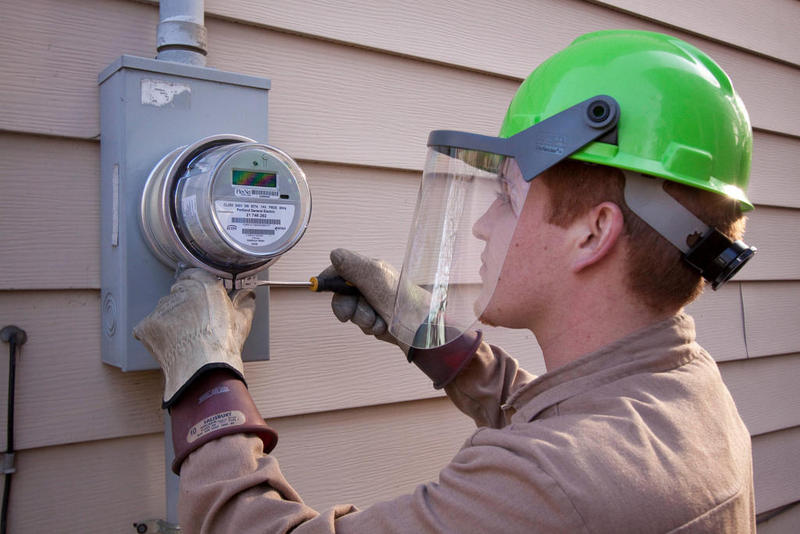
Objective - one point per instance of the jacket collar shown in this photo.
(661, 346)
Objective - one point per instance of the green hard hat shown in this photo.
(680, 118)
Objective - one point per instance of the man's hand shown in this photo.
(195, 328)
(376, 280)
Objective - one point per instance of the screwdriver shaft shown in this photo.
(274, 283)
(335, 284)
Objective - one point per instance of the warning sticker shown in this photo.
(215, 422)
(255, 224)
(161, 93)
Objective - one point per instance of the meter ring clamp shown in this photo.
(226, 204)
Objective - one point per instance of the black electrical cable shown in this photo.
(15, 337)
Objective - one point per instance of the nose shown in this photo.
(481, 228)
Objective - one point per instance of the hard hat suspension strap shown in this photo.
(704, 248)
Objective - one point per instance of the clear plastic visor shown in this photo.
(467, 210)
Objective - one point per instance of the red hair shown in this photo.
(656, 271)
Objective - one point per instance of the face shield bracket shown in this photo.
(704, 248)
(546, 143)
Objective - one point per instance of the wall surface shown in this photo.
(356, 87)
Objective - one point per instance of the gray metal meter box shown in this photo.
(149, 108)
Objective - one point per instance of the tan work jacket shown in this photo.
(640, 436)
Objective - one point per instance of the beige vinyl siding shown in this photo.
(764, 27)
(786, 521)
(418, 28)
(356, 86)
(765, 391)
(771, 307)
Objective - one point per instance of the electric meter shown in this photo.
(226, 204)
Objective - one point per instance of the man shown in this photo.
(615, 187)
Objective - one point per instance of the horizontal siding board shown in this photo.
(773, 175)
(785, 522)
(433, 31)
(102, 486)
(64, 393)
(50, 205)
(335, 365)
(771, 317)
(773, 231)
(366, 107)
(49, 86)
(52, 242)
(767, 27)
(416, 27)
(765, 391)
(718, 321)
(776, 467)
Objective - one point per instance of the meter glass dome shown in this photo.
(228, 207)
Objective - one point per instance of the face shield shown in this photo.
(472, 193)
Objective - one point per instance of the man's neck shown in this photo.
(586, 324)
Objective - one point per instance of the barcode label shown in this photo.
(254, 220)
(255, 224)
(257, 231)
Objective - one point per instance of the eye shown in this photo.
(503, 194)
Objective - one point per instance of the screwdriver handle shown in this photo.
(337, 284)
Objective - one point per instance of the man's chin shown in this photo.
(487, 320)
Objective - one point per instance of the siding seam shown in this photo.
(744, 321)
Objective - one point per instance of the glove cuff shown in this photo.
(443, 364)
(168, 403)
(216, 404)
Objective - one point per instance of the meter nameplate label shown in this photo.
(255, 224)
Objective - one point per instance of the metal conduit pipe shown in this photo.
(181, 35)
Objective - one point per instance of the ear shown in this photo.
(597, 233)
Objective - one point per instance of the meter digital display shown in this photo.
(216, 205)
(255, 179)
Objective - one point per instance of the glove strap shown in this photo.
(216, 404)
(443, 364)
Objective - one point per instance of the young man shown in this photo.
(615, 188)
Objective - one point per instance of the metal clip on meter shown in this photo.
(226, 204)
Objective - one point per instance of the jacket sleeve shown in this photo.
(484, 384)
(230, 486)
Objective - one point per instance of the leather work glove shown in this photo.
(197, 327)
(196, 333)
(376, 281)
(372, 310)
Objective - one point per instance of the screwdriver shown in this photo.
(337, 284)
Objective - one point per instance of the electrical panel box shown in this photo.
(149, 108)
